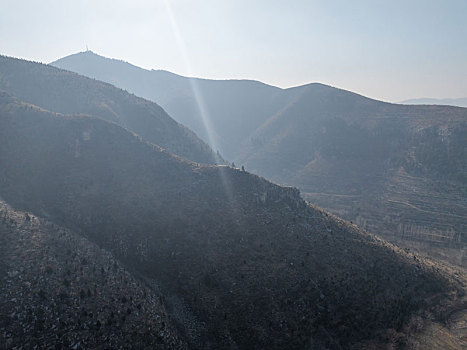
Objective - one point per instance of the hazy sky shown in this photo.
(390, 50)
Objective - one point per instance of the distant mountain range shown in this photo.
(459, 102)
(221, 112)
(65, 92)
(225, 259)
(397, 170)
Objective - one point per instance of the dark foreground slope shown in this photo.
(243, 263)
(58, 290)
(399, 171)
(65, 92)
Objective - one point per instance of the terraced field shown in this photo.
(416, 212)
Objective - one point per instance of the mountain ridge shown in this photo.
(179, 94)
(101, 58)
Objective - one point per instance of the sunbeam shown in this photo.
(198, 97)
(193, 83)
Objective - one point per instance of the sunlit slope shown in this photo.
(65, 92)
(243, 263)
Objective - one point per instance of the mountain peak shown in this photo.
(78, 61)
(86, 53)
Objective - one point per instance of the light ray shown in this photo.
(203, 112)
(193, 82)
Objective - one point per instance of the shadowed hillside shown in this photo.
(243, 263)
(65, 92)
